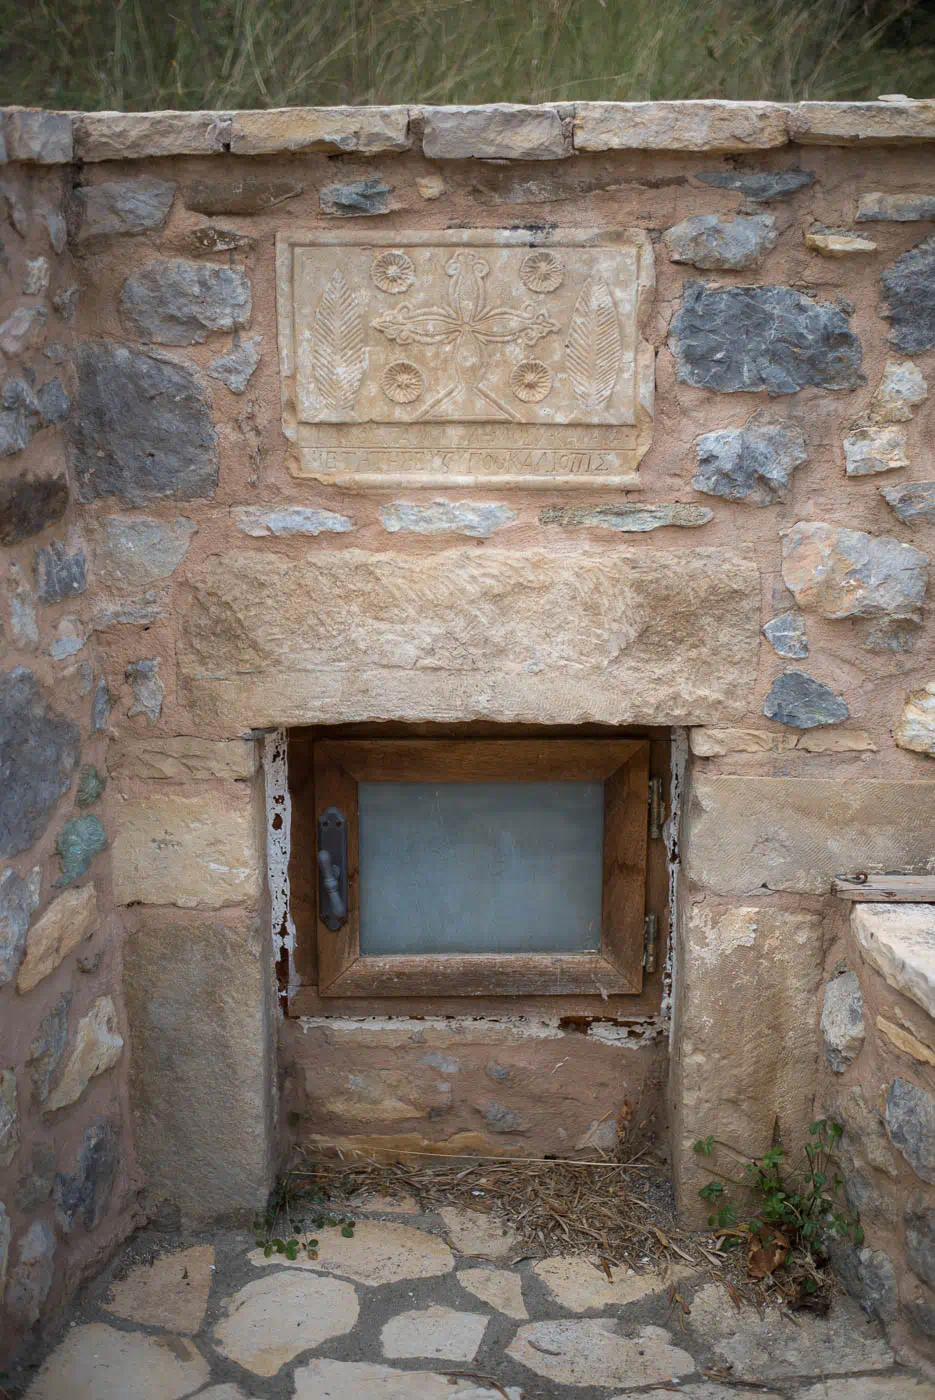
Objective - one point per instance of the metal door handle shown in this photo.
(331, 879)
(332, 868)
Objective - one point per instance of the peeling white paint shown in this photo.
(278, 842)
(632, 1035)
(673, 836)
(455, 1027)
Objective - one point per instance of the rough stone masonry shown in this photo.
(603, 417)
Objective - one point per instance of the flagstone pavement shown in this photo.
(438, 1307)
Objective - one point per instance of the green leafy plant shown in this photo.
(793, 1206)
(301, 1213)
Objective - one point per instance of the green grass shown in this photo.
(143, 54)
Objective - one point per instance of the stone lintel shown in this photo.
(495, 131)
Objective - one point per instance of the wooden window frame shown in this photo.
(622, 765)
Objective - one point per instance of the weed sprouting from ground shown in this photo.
(99, 54)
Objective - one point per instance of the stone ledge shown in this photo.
(494, 131)
(898, 940)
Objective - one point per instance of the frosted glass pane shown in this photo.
(480, 867)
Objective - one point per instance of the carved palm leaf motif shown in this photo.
(594, 345)
(339, 354)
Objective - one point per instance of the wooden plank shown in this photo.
(886, 889)
(482, 974)
(480, 760)
(307, 1001)
(626, 820)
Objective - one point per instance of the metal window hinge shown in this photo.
(650, 939)
(657, 811)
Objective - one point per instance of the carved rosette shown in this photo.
(542, 271)
(402, 381)
(393, 272)
(531, 381)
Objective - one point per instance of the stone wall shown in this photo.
(185, 568)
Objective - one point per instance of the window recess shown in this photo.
(462, 867)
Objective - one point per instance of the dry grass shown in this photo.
(99, 54)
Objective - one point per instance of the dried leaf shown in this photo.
(593, 347)
(766, 1251)
(339, 355)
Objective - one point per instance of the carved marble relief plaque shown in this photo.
(455, 359)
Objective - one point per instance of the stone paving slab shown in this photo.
(394, 1314)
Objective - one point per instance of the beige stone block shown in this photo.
(875, 448)
(364, 130)
(434, 1333)
(595, 1353)
(170, 1292)
(907, 1043)
(497, 1287)
(138, 135)
(470, 1232)
(96, 1360)
(97, 1048)
(197, 852)
(322, 1379)
(915, 729)
(380, 1252)
(182, 758)
(744, 833)
(898, 941)
(839, 245)
(628, 637)
(680, 126)
(836, 741)
(579, 1284)
(62, 927)
(500, 131)
(861, 123)
(901, 1386)
(382, 1096)
(748, 1038)
(273, 1319)
(200, 1013)
(714, 743)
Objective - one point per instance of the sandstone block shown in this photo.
(749, 1039)
(579, 1284)
(846, 573)
(759, 186)
(743, 339)
(861, 123)
(909, 299)
(908, 1044)
(335, 130)
(142, 430)
(796, 698)
(895, 208)
(67, 921)
(874, 449)
(915, 728)
(898, 940)
(500, 131)
(641, 638)
(478, 519)
(198, 1080)
(139, 135)
(122, 207)
(134, 551)
(786, 635)
(472, 1233)
(499, 1288)
(172, 1366)
(170, 1293)
(680, 126)
(714, 743)
(273, 1319)
(597, 1353)
(838, 245)
(195, 852)
(910, 1123)
(842, 1021)
(210, 240)
(172, 301)
(753, 463)
(237, 367)
(797, 833)
(711, 241)
(39, 752)
(379, 1253)
(912, 501)
(434, 1333)
(97, 1048)
(182, 758)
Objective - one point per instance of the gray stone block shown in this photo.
(711, 241)
(796, 698)
(172, 301)
(39, 752)
(30, 1281)
(142, 429)
(912, 501)
(53, 402)
(78, 842)
(41, 138)
(248, 195)
(122, 207)
(842, 1021)
(759, 186)
(754, 463)
(237, 367)
(81, 1197)
(35, 1185)
(48, 1046)
(909, 298)
(131, 552)
(100, 706)
(868, 1276)
(60, 574)
(743, 339)
(18, 900)
(910, 1121)
(360, 197)
(30, 504)
(919, 1220)
(786, 635)
(148, 689)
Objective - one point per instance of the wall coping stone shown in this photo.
(493, 131)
